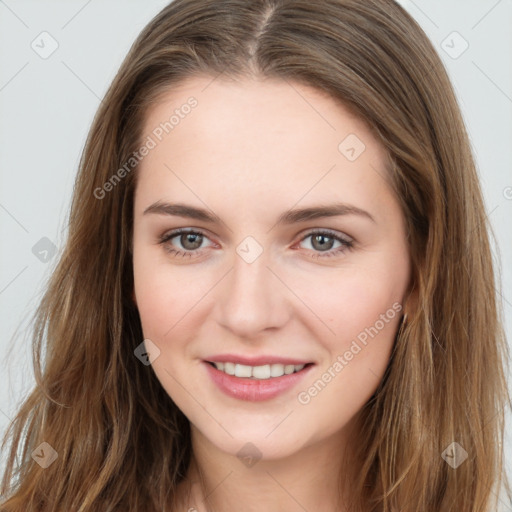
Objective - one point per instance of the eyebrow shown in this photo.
(288, 217)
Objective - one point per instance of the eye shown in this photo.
(322, 242)
(192, 240)
(189, 239)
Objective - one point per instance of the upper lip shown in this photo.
(254, 361)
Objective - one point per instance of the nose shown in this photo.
(252, 298)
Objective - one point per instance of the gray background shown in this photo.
(47, 103)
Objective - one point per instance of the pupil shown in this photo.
(321, 237)
(194, 239)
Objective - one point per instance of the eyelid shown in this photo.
(312, 231)
(169, 235)
(345, 240)
(346, 243)
(327, 231)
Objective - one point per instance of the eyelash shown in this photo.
(167, 237)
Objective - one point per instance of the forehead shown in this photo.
(231, 109)
(265, 137)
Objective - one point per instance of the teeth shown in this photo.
(243, 371)
(229, 368)
(289, 369)
(263, 372)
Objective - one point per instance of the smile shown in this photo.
(261, 372)
(255, 383)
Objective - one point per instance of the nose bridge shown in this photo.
(251, 298)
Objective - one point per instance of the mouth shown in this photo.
(260, 372)
(255, 383)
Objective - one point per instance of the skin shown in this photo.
(249, 151)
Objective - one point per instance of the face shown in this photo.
(263, 275)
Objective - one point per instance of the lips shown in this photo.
(253, 389)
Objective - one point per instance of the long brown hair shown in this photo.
(106, 414)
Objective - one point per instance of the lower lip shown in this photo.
(254, 390)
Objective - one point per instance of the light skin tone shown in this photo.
(250, 151)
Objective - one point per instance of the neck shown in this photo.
(308, 479)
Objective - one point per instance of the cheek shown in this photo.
(357, 354)
(158, 294)
(360, 304)
(364, 308)
(355, 299)
(164, 293)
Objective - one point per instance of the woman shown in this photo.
(277, 288)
